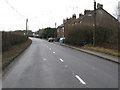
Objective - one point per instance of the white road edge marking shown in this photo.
(80, 79)
(61, 60)
(54, 52)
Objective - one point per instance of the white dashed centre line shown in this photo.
(61, 60)
(54, 52)
(49, 48)
(44, 59)
(80, 79)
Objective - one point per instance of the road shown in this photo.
(48, 65)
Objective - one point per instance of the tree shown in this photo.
(49, 32)
(117, 11)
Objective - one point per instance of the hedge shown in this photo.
(11, 38)
(84, 35)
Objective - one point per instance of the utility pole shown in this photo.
(94, 31)
(118, 23)
(26, 26)
(55, 33)
(55, 24)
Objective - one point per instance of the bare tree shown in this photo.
(117, 11)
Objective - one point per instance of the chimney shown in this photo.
(99, 5)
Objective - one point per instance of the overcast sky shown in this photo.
(44, 13)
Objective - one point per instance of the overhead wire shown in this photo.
(14, 9)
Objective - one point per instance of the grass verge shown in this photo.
(103, 50)
(8, 56)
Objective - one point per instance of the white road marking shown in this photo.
(44, 59)
(49, 48)
(54, 52)
(80, 79)
(61, 60)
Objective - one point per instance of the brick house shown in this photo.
(60, 31)
(103, 19)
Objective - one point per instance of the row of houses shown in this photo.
(103, 19)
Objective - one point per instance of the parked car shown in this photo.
(62, 40)
(51, 39)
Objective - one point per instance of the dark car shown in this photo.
(51, 39)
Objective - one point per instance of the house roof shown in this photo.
(62, 25)
(73, 21)
(106, 12)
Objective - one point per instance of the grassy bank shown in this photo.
(103, 50)
(8, 56)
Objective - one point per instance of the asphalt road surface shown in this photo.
(48, 65)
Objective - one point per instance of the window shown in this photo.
(58, 30)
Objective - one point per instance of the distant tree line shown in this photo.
(49, 32)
